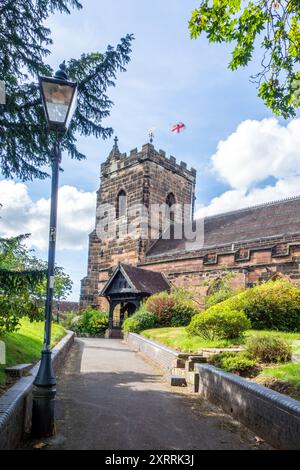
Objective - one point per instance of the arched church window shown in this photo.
(121, 204)
(170, 202)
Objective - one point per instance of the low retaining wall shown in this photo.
(164, 356)
(16, 403)
(273, 416)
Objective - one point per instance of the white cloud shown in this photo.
(240, 198)
(258, 150)
(20, 214)
(255, 151)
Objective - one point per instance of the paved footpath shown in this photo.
(110, 397)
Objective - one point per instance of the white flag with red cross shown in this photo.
(177, 128)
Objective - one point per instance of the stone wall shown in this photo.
(16, 403)
(250, 263)
(162, 355)
(147, 177)
(271, 415)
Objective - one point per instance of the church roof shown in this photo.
(271, 220)
(141, 281)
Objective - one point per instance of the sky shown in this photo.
(242, 153)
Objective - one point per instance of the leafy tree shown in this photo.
(23, 283)
(24, 42)
(62, 287)
(272, 25)
(18, 281)
(62, 284)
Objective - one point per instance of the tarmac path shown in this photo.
(110, 397)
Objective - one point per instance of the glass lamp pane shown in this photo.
(73, 107)
(57, 100)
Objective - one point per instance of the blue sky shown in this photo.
(170, 78)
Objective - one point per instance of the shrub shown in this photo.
(238, 363)
(220, 289)
(66, 322)
(139, 321)
(161, 305)
(174, 309)
(97, 324)
(89, 321)
(75, 324)
(181, 294)
(217, 297)
(182, 313)
(222, 323)
(269, 349)
(274, 305)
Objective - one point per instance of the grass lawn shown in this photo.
(177, 338)
(285, 378)
(289, 372)
(25, 345)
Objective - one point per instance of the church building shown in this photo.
(255, 243)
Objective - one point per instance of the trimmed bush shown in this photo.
(175, 309)
(237, 363)
(217, 297)
(161, 305)
(182, 313)
(139, 321)
(268, 349)
(274, 305)
(90, 322)
(222, 323)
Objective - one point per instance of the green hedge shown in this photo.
(174, 309)
(269, 349)
(90, 322)
(237, 363)
(221, 323)
(274, 305)
(139, 321)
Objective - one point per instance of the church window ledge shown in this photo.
(242, 255)
(210, 259)
(280, 250)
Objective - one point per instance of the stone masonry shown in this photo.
(255, 243)
(147, 177)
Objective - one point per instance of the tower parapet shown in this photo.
(118, 161)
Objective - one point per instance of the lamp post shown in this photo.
(59, 101)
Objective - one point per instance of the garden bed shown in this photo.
(284, 378)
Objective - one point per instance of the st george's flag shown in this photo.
(177, 128)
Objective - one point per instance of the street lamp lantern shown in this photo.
(59, 100)
(59, 97)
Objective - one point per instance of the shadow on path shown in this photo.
(113, 401)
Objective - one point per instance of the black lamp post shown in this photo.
(59, 101)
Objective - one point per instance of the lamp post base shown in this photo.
(43, 424)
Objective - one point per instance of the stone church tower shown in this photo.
(141, 179)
